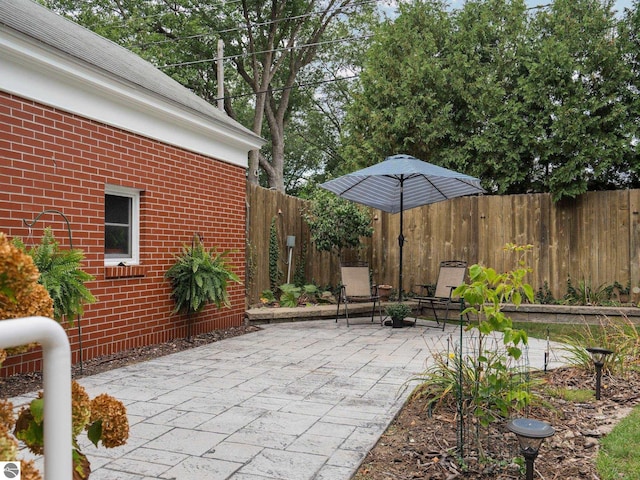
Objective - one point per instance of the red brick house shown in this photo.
(91, 130)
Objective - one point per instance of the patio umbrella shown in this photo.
(402, 182)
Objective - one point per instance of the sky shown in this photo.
(620, 5)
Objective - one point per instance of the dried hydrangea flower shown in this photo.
(23, 431)
(20, 293)
(7, 416)
(28, 471)
(80, 408)
(8, 445)
(113, 415)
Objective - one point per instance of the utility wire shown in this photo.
(253, 25)
(235, 29)
(248, 54)
(281, 89)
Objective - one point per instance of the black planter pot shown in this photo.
(398, 322)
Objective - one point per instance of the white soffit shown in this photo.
(41, 73)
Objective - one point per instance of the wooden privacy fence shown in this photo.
(594, 238)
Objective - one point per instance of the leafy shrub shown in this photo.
(336, 223)
(584, 293)
(398, 310)
(292, 295)
(61, 274)
(21, 296)
(267, 297)
(489, 290)
(486, 382)
(544, 295)
(618, 335)
(492, 384)
(299, 275)
(198, 277)
(275, 274)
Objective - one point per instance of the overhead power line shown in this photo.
(281, 89)
(123, 24)
(248, 54)
(253, 25)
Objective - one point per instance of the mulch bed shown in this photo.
(423, 445)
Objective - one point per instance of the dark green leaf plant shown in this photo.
(61, 274)
(200, 276)
(335, 223)
(398, 310)
(292, 295)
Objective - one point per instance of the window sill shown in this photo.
(128, 271)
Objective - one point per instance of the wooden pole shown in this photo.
(220, 70)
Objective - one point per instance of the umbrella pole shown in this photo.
(401, 236)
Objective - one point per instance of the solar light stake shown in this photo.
(531, 433)
(598, 355)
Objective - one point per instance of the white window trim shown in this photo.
(134, 195)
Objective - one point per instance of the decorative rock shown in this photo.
(590, 442)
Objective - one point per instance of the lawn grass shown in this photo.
(579, 395)
(556, 331)
(618, 457)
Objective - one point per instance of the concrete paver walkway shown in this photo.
(294, 401)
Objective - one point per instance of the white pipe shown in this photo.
(289, 268)
(56, 357)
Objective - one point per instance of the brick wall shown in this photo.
(53, 160)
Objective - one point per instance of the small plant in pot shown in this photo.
(398, 312)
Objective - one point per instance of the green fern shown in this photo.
(200, 277)
(62, 276)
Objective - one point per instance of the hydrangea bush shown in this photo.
(104, 418)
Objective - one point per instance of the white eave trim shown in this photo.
(35, 72)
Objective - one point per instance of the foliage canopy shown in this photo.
(336, 223)
(528, 101)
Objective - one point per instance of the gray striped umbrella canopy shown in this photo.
(402, 182)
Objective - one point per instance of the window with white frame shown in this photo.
(121, 225)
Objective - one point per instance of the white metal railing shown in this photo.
(58, 463)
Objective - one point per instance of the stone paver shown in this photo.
(294, 401)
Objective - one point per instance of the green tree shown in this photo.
(403, 83)
(629, 39)
(437, 84)
(336, 223)
(579, 129)
(525, 101)
(270, 49)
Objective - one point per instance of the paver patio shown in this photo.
(294, 401)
